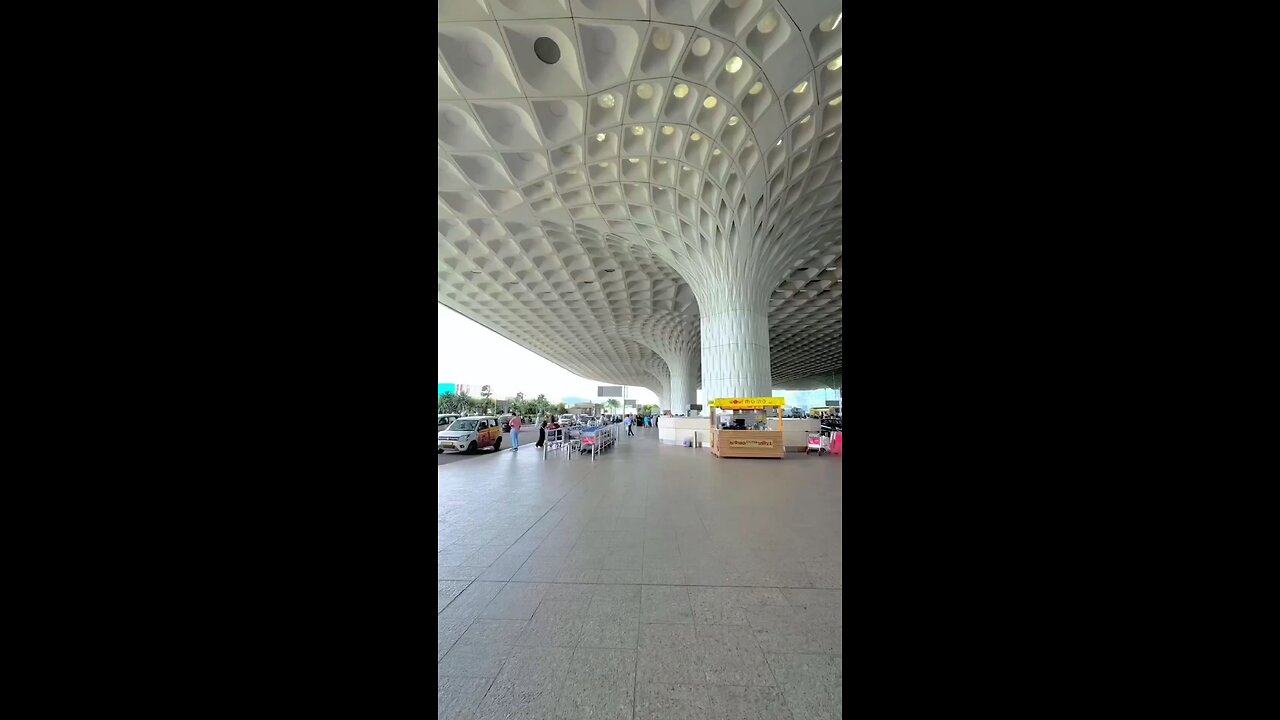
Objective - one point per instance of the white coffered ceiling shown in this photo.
(580, 201)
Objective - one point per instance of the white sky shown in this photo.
(471, 354)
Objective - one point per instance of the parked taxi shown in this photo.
(469, 434)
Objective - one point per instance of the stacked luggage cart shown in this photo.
(593, 439)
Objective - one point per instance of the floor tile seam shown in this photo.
(454, 644)
(540, 517)
(650, 584)
(455, 597)
(777, 683)
(489, 689)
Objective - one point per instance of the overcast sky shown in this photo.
(471, 354)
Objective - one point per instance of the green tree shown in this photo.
(542, 406)
(445, 403)
(463, 403)
(612, 404)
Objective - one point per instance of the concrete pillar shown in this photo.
(664, 395)
(674, 340)
(684, 380)
(735, 338)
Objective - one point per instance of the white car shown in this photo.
(469, 434)
(444, 421)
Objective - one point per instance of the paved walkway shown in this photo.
(659, 582)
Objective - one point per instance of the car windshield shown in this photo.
(465, 425)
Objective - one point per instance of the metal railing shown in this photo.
(555, 440)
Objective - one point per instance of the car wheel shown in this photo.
(497, 445)
(472, 447)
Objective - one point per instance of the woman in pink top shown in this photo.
(515, 432)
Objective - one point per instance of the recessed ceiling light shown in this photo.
(667, 129)
(831, 268)
(599, 137)
(830, 135)
(830, 23)
(755, 89)
(637, 130)
(662, 39)
(734, 64)
(836, 100)
(662, 162)
(710, 102)
(681, 90)
(695, 137)
(806, 119)
(686, 168)
(768, 23)
(603, 165)
(779, 141)
(804, 85)
(607, 100)
(644, 90)
(547, 50)
(701, 46)
(733, 120)
(716, 151)
(633, 161)
(835, 64)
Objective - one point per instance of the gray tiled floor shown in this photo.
(657, 582)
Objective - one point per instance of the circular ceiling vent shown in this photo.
(547, 50)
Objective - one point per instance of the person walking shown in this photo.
(515, 432)
(542, 434)
(627, 421)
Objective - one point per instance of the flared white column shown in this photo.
(735, 340)
(684, 380)
(664, 395)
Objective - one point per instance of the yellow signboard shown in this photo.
(751, 443)
(737, 403)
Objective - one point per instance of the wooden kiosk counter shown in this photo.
(746, 443)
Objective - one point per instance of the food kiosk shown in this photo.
(739, 427)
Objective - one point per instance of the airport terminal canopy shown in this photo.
(646, 192)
